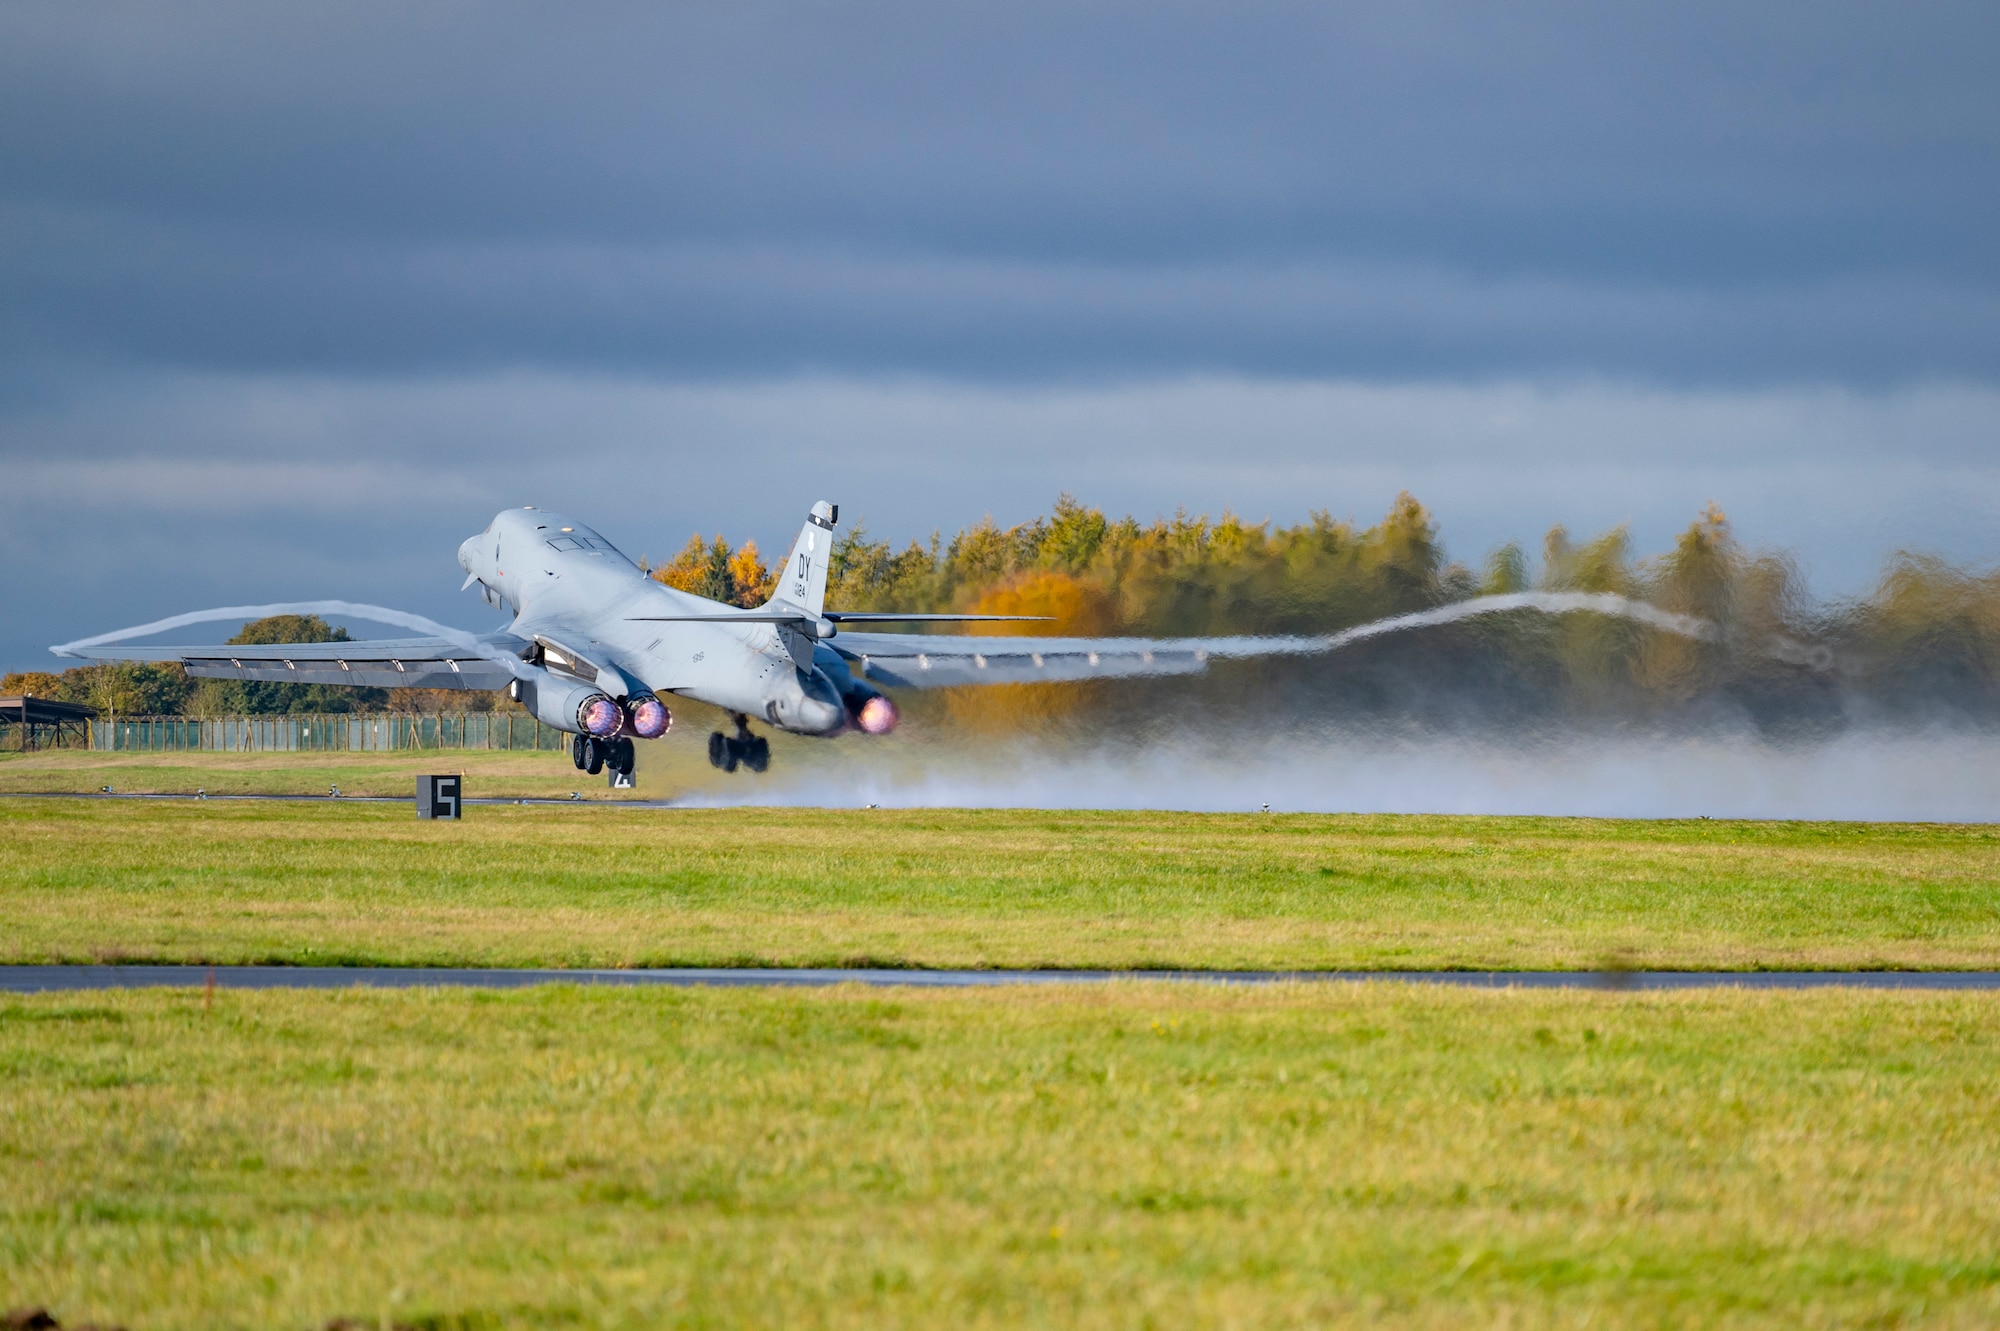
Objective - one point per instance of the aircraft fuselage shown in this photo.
(573, 590)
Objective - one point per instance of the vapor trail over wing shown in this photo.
(936, 661)
(447, 659)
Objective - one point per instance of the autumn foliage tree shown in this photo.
(1925, 638)
(710, 568)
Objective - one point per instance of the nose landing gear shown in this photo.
(743, 748)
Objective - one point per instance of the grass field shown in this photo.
(1138, 1155)
(669, 769)
(511, 885)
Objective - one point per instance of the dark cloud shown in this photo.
(292, 297)
(1699, 192)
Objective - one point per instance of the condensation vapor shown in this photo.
(1925, 777)
(375, 614)
(1926, 774)
(1920, 775)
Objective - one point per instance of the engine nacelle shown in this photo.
(868, 711)
(647, 717)
(572, 705)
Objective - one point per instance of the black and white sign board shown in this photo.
(621, 780)
(438, 796)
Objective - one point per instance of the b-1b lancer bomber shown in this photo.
(596, 645)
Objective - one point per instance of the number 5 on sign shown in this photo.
(438, 796)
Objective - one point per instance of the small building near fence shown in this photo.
(42, 723)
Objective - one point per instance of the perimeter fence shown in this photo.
(354, 732)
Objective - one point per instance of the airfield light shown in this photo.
(648, 718)
(877, 716)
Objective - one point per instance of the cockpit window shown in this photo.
(587, 543)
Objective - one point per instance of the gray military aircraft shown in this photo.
(595, 645)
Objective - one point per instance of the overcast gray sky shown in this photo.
(293, 297)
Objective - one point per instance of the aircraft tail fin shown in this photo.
(802, 582)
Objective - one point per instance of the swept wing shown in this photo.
(406, 663)
(921, 660)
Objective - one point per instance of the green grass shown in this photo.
(511, 885)
(1134, 1155)
(523, 774)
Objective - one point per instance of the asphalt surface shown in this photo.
(42, 979)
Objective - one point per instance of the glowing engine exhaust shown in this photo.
(599, 716)
(876, 716)
(647, 717)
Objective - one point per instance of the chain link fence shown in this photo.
(353, 732)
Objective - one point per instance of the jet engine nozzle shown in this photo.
(876, 716)
(598, 715)
(567, 703)
(647, 717)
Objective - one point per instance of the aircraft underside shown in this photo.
(594, 754)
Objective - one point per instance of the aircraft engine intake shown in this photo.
(647, 717)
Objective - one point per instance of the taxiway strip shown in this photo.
(43, 979)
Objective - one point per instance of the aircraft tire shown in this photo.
(593, 755)
(623, 757)
(718, 749)
(577, 750)
(757, 753)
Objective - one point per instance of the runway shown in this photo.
(45, 979)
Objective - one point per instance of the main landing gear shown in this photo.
(744, 748)
(593, 755)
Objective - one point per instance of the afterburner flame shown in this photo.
(877, 716)
(648, 718)
(599, 716)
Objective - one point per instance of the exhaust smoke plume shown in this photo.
(1928, 776)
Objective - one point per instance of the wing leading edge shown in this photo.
(927, 661)
(383, 663)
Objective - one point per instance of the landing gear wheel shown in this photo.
(756, 753)
(578, 750)
(621, 758)
(722, 752)
(593, 755)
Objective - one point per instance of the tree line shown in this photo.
(1926, 637)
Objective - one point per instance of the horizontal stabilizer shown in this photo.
(743, 617)
(874, 617)
(834, 616)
